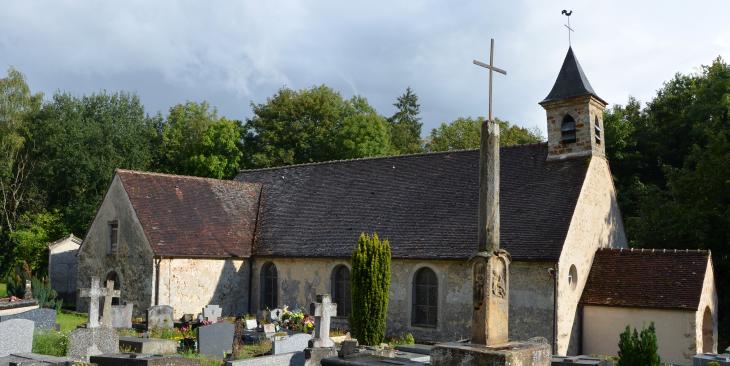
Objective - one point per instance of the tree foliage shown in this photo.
(671, 164)
(311, 125)
(464, 133)
(405, 124)
(638, 349)
(195, 141)
(370, 283)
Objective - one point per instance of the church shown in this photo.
(276, 237)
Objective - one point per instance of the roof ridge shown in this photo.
(428, 153)
(191, 177)
(654, 250)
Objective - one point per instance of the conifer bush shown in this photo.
(638, 349)
(370, 283)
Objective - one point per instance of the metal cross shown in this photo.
(568, 14)
(491, 68)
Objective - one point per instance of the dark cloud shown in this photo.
(233, 54)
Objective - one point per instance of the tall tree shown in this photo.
(310, 125)
(405, 124)
(464, 133)
(671, 164)
(79, 142)
(18, 106)
(195, 141)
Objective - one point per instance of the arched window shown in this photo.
(573, 277)
(269, 286)
(597, 129)
(341, 290)
(425, 298)
(567, 129)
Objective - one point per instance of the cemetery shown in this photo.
(490, 254)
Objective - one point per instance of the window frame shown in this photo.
(597, 130)
(113, 237)
(269, 274)
(420, 283)
(568, 134)
(344, 303)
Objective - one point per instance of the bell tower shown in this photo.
(574, 114)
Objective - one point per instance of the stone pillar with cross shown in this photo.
(491, 264)
(322, 310)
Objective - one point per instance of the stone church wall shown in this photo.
(531, 294)
(708, 302)
(132, 261)
(188, 285)
(596, 223)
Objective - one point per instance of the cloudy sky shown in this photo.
(234, 53)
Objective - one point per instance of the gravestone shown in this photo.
(44, 319)
(216, 340)
(16, 336)
(86, 342)
(577, 360)
(251, 324)
(93, 293)
(323, 310)
(34, 359)
(293, 343)
(134, 359)
(212, 313)
(275, 315)
(705, 358)
(269, 328)
(148, 345)
(122, 315)
(109, 294)
(28, 294)
(160, 316)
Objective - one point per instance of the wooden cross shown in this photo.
(322, 310)
(93, 293)
(491, 68)
(109, 293)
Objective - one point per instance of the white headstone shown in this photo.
(251, 324)
(276, 314)
(211, 313)
(323, 310)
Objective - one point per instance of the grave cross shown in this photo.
(109, 293)
(93, 293)
(323, 309)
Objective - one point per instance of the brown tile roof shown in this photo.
(193, 217)
(646, 278)
(425, 204)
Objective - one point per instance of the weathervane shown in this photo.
(568, 14)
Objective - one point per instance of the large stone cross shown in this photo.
(323, 310)
(490, 265)
(109, 293)
(93, 293)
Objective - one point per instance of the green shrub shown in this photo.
(638, 349)
(50, 343)
(404, 339)
(713, 363)
(370, 283)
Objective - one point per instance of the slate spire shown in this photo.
(571, 81)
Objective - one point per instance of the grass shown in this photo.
(204, 360)
(253, 350)
(50, 342)
(3, 290)
(68, 320)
